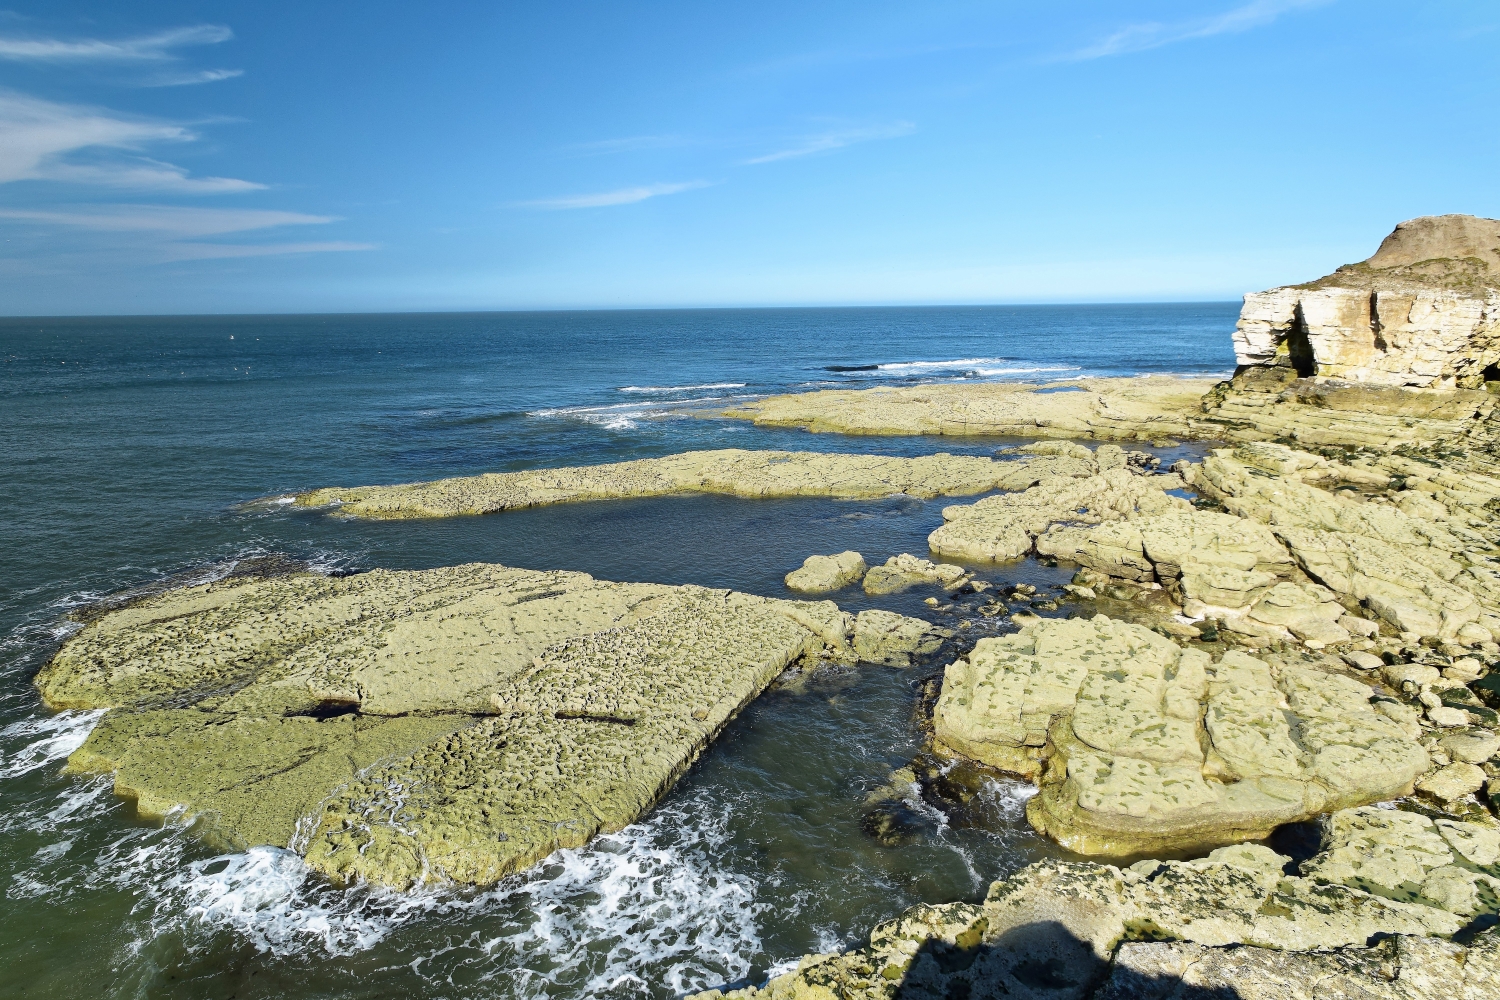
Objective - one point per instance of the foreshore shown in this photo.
(1299, 628)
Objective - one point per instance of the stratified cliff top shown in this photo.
(1435, 251)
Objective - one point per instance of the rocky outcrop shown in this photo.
(730, 471)
(1424, 311)
(1236, 921)
(904, 571)
(1141, 745)
(894, 640)
(1006, 526)
(448, 724)
(825, 574)
(1109, 409)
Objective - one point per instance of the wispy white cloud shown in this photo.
(161, 233)
(631, 144)
(176, 221)
(189, 79)
(39, 140)
(836, 139)
(1153, 35)
(604, 199)
(217, 251)
(142, 48)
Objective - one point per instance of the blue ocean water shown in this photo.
(130, 447)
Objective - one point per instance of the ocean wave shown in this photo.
(682, 388)
(634, 910)
(60, 734)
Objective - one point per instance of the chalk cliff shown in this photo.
(1423, 311)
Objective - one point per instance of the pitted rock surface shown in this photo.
(1005, 527)
(1138, 744)
(730, 471)
(455, 723)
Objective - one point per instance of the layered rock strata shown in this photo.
(1423, 311)
(1138, 744)
(729, 471)
(1235, 924)
(448, 724)
(1111, 409)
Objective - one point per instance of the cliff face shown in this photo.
(1423, 311)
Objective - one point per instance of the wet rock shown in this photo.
(824, 574)
(1234, 922)
(894, 640)
(730, 470)
(1139, 744)
(1122, 409)
(398, 727)
(904, 571)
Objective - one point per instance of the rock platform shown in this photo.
(452, 724)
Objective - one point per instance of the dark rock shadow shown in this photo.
(1040, 961)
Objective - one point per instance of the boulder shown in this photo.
(1138, 744)
(904, 571)
(824, 574)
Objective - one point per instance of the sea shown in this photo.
(144, 452)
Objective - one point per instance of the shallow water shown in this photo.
(132, 448)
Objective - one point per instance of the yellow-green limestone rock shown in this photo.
(447, 724)
(1139, 745)
(825, 574)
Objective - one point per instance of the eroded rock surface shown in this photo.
(1140, 745)
(1423, 311)
(825, 574)
(1236, 919)
(455, 723)
(904, 571)
(731, 471)
(1133, 409)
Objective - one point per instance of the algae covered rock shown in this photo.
(730, 470)
(455, 723)
(1138, 744)
(824, 574)
(1135, 409)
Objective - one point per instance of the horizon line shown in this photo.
(6, 318)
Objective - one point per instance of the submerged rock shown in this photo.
(825, 574)
(456, 723)
(1235, 921)
(731, 470)
(1140, 745)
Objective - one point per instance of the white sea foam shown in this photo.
(1025, 370)
(60, 735)
(682, 388)
(913, 366)
(635, 911)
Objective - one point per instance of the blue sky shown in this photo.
(280, 157)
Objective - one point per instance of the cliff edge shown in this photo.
(1423, 311)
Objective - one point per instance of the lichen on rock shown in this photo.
(447, 724)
